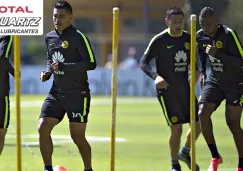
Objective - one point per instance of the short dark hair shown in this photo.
(174, 11)
(207, 12)
(64, 5)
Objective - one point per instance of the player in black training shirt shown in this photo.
(5, 69)
(69, 57)
(222, 47)
(171, 50)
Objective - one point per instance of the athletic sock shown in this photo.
(240, 164)
(214, 150)
(185, 150)
(48, 168)
(174, 161)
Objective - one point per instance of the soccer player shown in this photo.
(69, 57)
(171, 50)
(221, 45)
(5, 69)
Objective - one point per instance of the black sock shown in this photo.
(185, 150)
(174, 162)
(48, 167)
(240, 164)
(214, 150)
(88, 170)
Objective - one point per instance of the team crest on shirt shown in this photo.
(174, 119)
(65, 44)
(187, 45)
(219, 44)
(180, 61)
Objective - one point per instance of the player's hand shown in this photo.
(203, 78)
(55, 66)
(160, 82)
(211, 50)
(44, 76)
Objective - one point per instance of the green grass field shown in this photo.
(139, 120)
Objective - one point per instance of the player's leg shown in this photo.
(233, 113)
(77, 131)
(174, 144)
(184, 153)
(4, 119)
(233, 118)
(51, 113)
(210, 99)
(3, 133)
(172, 110)
(78, 111)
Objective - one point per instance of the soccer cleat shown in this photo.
(239, 169)
(187, 159)
(176, 167)
(215, 163)
(59, 168)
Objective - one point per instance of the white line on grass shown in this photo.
(23, 143)
(63, 139)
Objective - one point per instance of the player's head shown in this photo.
(62, 15)
(209, 21)
(175, 20)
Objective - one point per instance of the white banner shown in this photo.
(129, 82)
(21, 17)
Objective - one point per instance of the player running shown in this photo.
(69, 57)
(171, 50)
(221, 45)
(5, 69)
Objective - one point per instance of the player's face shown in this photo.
(61, 19)
(176, 24)
(209, 25)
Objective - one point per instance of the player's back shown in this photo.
(172, 58)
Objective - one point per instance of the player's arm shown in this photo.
(46, 75)
(86, 53)
(201, 64)
(6, 46)
(148, 55)
(234, 49)
(201, 57)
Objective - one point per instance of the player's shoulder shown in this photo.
(5, 37)
(160, 36)
(227, 30)
(51, 34)
(186, 35)
(199, 33)
(80, 34)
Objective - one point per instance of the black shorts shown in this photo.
(215, 93)
(176, 108)
(76, 106)
(4, 111)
